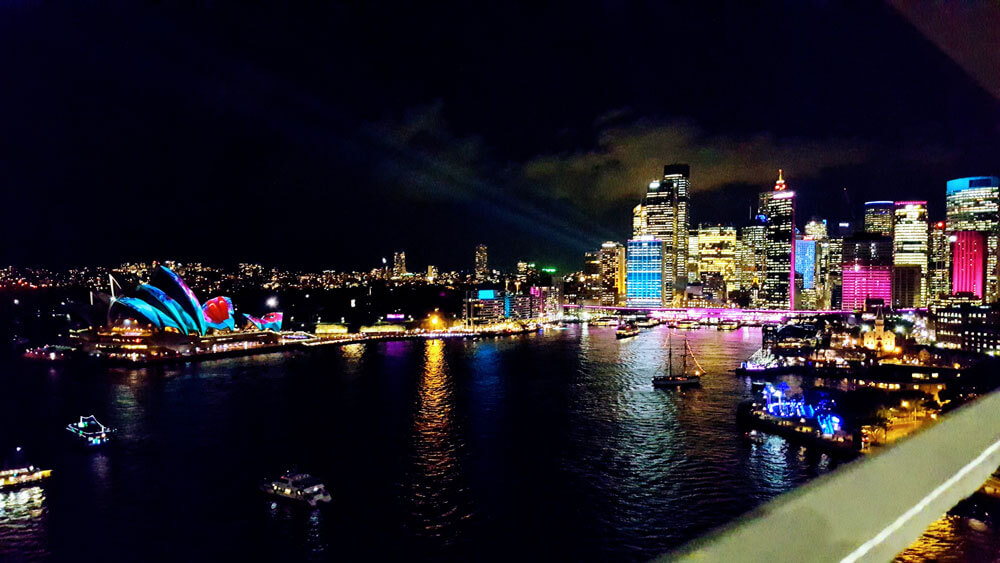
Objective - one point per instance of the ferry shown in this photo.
(684, 379)
(17, 473)
(91, 432)
(627, 330)
(688, 324)
(603, 321)
(299, 487)
(646, 323)
(728, 325)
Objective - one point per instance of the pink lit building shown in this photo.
(867, 271)
(968, 258)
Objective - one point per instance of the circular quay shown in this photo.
(610, 282)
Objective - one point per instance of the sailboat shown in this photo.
(683, 379)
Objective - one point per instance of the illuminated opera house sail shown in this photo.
(168, 304)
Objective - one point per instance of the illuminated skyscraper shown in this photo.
(973, 204)
(717, 254)
(805, 269)
(481, 266)
(968, 258)
(816, 228)
(432, 273)
(398, 264)
(779, 275)
(753, 258)
(666, 215)
(866, 271)
(639, 222)
(612, 273)
(910, 249)
(939, 265)
(645, 268)
(878, 217)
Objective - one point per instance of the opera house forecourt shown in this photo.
(163, 320)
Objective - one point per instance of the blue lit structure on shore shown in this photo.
(778, 403)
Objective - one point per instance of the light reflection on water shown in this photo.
(23, 520)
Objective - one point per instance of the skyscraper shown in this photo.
(805, 269)
(968, 258)
(639, 222)
(717, 253)
(645, 269)
(778, 206)
(939, 265)
(753, 258)
(612, 273)
(816, 228)
(666, 215)
(866, 270)
(398, 264)
(481, 268)
(973, 204)
(910, 238)
(878, 217)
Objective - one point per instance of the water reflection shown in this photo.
(23, 519)
(436, 493)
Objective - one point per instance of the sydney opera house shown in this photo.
(163, 319)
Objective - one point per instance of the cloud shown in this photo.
(628, 157)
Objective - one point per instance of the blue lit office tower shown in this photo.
(805, 261)
(973, 204)
(644, 272)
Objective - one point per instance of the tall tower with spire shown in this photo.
(778, 207)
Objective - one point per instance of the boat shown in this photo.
(755, 437)
(91, 432)
(298, 487)
(627, 330)
(603, 321)
(18, 473)
(728, 325)
(688, 324)
(646, 323)
(683, 379)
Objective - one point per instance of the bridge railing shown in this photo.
(873, 508)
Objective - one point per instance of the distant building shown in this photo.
(718, 255)
(968, 327)
(866, 271)
(907, 284)
(612, 273)
(973, 204)
(645, 272)
(879, 217)
(879, 338)
(753, 258)
(910, 248)
(778, 206)
(939, 263)
(432, 273)
(482, 270)
(968, 258)
(816, 228)
(666, 217)
(398, 264)
(640, 225)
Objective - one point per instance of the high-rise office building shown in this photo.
(866, 271)
(482, 270)
(817, 229)
(717, 254)
(612, 273)
(592, 277)
(753, 258)
(639, 222)
(398, 264)
(939, 265)
(806, 294)
(878, 217)
(973, 204)
(432, 273)
(968, 258)
(666, 216)
(645, 272)
(778, 206)
(693, 274)
(910, 239)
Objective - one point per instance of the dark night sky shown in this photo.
(328, 137)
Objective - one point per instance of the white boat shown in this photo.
(300, 487)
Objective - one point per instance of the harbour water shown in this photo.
(547, 445)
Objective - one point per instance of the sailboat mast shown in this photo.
(685, 356)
